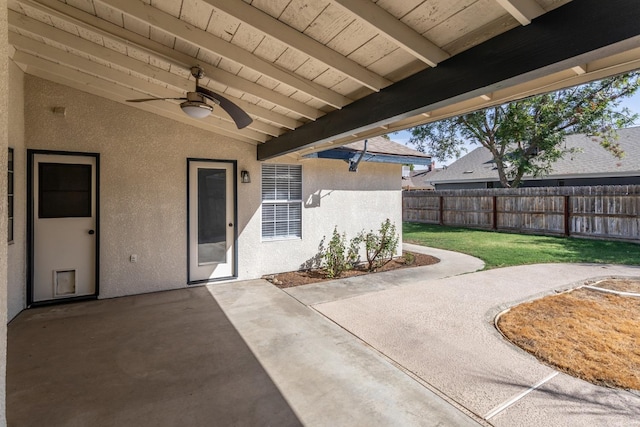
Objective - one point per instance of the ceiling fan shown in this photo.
(195, 103)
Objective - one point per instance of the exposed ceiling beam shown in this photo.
(111, 31)
(84, 82)
(580, 69)
(39, 28)
(291, 37)
(394, 29)
(145, 88)
(217, 46)
(30, 25)
(96, 69)
(523, 10)
(558, 40)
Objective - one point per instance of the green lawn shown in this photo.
(504, 249)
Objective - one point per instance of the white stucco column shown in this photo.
(4, 143)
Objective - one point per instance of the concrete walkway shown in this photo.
(328, 377)
(451, 264)
(415, 347)
(442, 331)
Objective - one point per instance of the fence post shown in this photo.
(567, 217)
(495, 213)
(441, 210)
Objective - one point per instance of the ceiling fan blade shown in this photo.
(238, 115)
(155, 99)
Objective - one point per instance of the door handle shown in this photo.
(92, 232)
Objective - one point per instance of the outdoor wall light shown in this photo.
(244, 177)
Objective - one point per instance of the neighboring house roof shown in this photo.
(420, 179)
(426, 175)
(593, 161)
(379, 150)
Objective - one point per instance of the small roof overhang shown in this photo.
(353, 155)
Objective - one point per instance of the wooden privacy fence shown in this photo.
(604, 212)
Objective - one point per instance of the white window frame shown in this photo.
(285, 194)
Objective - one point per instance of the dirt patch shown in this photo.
(588, 334)
(298, 278)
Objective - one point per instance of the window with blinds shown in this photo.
(281, 201)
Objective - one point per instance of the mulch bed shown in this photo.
(297, 278)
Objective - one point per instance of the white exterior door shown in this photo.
(212, 229)
(64, 226)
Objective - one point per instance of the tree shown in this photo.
(525, 137)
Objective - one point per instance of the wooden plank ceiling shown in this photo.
(287, 63)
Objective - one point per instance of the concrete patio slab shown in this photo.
(241, 354)
(442, 330)
(161, 359)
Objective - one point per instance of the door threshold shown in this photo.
(60, 301)
(216, 280)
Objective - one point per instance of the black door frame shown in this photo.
(30, 235)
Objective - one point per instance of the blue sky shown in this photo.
(632, 103)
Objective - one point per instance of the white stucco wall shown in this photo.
(143, 168)
(4, 136)
(332, 196)
(16, 251)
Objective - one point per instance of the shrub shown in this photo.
(337, 256)
(409, 258)
(380, 247)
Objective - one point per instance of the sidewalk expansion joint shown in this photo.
(477, 418)
(505, 405)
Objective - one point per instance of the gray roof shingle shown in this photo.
(592, 161)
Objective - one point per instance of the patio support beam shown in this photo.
(293, 38)
(558, 40)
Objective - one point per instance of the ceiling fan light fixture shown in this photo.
(199, 104)
(196, 109)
